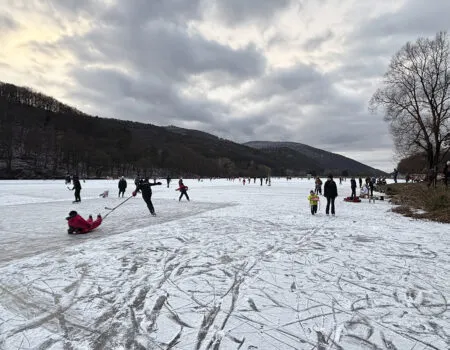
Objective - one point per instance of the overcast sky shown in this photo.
(245, 70)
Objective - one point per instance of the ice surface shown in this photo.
(237, 267)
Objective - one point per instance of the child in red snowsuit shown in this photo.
(79, 225)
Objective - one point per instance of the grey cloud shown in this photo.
(166, 50)
(305, 79)
(415, 17)
(7, 23)
(359, 69)
(317, 41)
(240, 11)
(139, 12)
(145, 99)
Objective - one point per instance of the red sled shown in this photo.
(354, 200)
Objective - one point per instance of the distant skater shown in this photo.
(122, 186)
(77, 188)
(183, 190)
(330, 192)
(145, 187)
(168, 180)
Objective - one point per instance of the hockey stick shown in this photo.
(112, 209)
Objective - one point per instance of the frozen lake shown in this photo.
(237, 267)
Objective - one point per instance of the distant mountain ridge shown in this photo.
(41, 137)
(328, 161)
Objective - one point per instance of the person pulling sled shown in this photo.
(78, 225)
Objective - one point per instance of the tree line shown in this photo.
(42, 137)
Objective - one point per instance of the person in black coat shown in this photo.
(77, 188)
(353, 187)
(145, 187)
(330, 192)
(122, 186)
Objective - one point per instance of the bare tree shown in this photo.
(415, 98)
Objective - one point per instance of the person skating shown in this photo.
(360, 182)
(145, 187)
(318, 189)
(122, 186)
(77, 188)
(353, 187)
(330, 192)
(313, 201)
(77, 224)
(183, 190)
(168, 180)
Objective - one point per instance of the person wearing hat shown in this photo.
(330, 192)
(77, 224)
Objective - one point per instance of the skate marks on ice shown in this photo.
(238, 286)
(21, 239)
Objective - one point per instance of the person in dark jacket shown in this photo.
(145, 187)
(395, 175)
(122, 186)
(360, 182)
(353, 187)
(330, 192)
(183, 189)
(371, 186)
(168, 180)
(77, 188)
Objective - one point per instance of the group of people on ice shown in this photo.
(77, 224)
(330, 193)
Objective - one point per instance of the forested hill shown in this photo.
(330, 162)
(41, 137)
